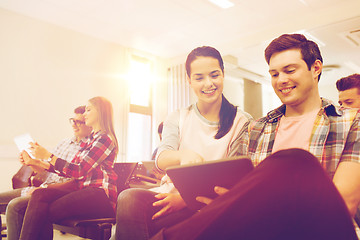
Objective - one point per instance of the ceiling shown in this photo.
(172, 28)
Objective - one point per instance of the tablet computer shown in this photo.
(22, 142)
(199, 179)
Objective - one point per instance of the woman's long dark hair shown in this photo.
(227, 111)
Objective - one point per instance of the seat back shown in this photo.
(124, 170)
(98, 229)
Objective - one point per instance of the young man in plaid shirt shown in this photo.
(349, 91)
(306, 184)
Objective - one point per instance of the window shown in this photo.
(140, 115)
(140, 79)
(139, 138)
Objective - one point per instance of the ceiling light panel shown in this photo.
(222, 3)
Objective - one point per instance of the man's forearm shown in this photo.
(347, 181)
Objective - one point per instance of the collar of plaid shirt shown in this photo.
(328, 138)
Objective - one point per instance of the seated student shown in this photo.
(156, 172)
(17, 199)
(160, 129)
(298, 148)
(349, 97)
(200, 132)
(349, 91)
(93, 181)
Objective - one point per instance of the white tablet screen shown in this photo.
(22, 142)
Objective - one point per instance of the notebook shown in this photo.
(199, 179)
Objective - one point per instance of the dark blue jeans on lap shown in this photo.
(134, 213)
(48, 205)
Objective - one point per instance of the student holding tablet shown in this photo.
(18, 199)
(92, 191)
(201, 132)
(306, 180)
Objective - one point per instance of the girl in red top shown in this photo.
(92, 191)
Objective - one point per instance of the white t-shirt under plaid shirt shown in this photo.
(66, 150)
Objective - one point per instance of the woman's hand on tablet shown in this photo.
(170, 202)
(218, 190)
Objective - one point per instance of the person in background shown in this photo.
(306, 183)
(349, 91)
(349, 97)
(18, 199)
(160, 129)
(201, 132)
(155, 171)
(93, 182)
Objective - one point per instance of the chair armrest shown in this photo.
(146, 178)
(86, 222)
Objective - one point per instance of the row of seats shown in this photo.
(129, 175)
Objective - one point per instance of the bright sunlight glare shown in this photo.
(140, 83)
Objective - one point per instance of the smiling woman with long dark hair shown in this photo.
(201, 132)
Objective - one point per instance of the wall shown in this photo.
(253, 98)
(329, 91)
(45, 72)
(234, 90)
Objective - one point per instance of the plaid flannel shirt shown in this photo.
(66, 150)
(335, 136)
(93, 165)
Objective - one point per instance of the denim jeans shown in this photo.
(134, 212)
(6, 197)
(15, 212)
(50, 205)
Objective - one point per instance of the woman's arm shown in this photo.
(169, 158)
(168, 152)
(99, 149)
(90, 157)
(36, 164)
